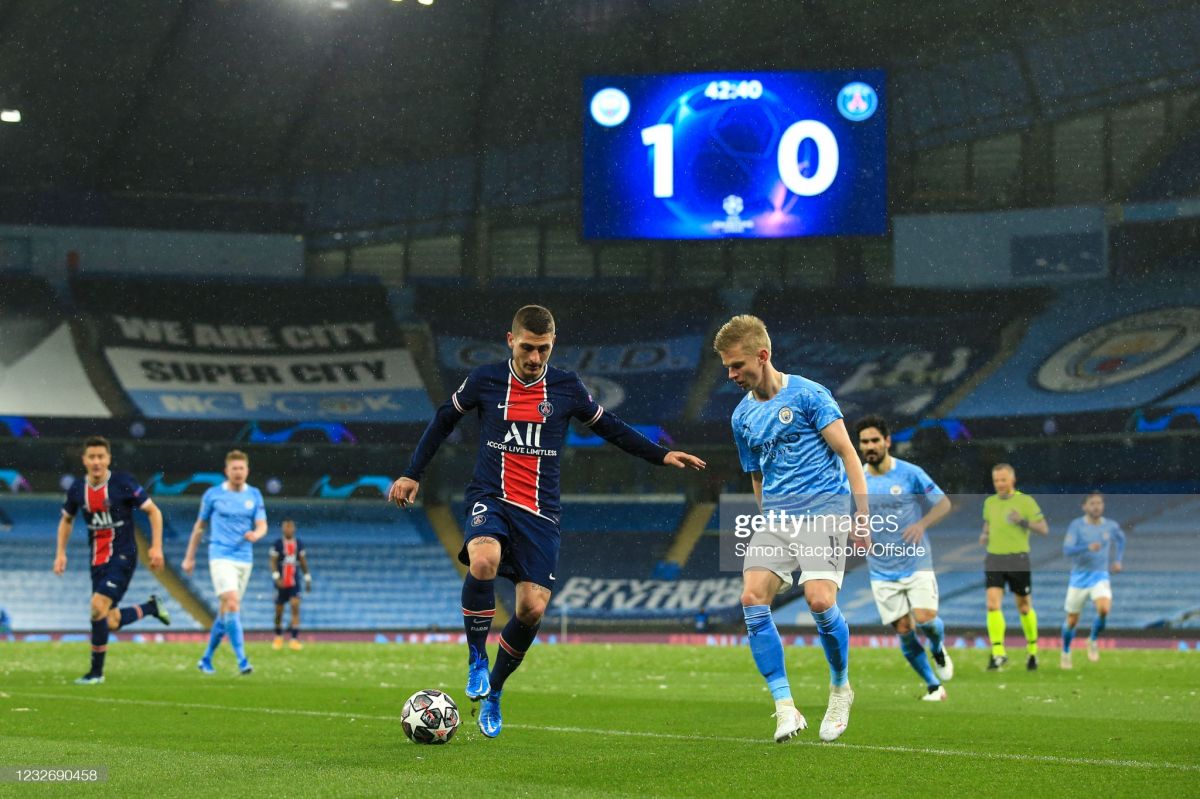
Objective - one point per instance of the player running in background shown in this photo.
(107, 500)
(287, 555)
(1008, 518)
(238, 520)
(901, 562)
(792, 440)
(1091, 542)
(512, 528)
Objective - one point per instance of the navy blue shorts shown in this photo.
(112, 579)
(528, 543)
(284, 595)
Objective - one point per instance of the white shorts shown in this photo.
(229, 575)
(1078, 597)
(818, 552)
(895, 599)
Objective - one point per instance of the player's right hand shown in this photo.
(404, 492)
(188, 565)
(1094, 546)
(983, 539)
(60, 564)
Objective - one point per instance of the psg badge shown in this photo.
(545, 408)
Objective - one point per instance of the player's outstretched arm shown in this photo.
(615, 431)
(404, 490)
(154, 514)
(64, 534)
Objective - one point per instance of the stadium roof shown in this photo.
(197, 95)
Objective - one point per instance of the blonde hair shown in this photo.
(237, 455)
(745, 330)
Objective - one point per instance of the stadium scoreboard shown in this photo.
(735, 155)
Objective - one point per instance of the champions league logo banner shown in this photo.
(900, 367)
(210, 355)
(1096, 349)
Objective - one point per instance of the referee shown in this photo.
(1008, 518)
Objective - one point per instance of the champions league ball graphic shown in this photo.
(726, 175)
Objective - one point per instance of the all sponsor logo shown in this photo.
(1126, 349)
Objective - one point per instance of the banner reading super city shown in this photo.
(255, 351)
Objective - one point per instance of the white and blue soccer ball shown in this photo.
(429, 717)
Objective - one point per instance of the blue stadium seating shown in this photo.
(373, 567)
(37, 599)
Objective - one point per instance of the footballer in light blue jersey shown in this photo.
(238, 519)
(792, 441)
(1092, 542)
(905, 502)
(231, 514)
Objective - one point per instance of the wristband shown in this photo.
(274, 575)
(308, 578)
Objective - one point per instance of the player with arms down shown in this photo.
(792, 440)
(900, 562)
(512, 527)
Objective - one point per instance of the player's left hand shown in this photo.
(1116, 567)
(156, 558)
(682, 460)
(253, 537)
(914, 533)
(1015, 516)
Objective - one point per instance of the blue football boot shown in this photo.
(479, 681)
(490, 722)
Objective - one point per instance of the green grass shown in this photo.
(596, 721)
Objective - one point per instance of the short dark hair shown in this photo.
(874, 420)
(535, 319)
(97, 441)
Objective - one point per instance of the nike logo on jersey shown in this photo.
(504, 405)
(110, 585)
(551, 575)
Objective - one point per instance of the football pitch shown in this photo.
(596, 720)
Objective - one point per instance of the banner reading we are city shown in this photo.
(264, 351)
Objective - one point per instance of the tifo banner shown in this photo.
(41, 373)
(1098, 348)
(642, 381)
(901, 367)
(269, 352)
(619, 598)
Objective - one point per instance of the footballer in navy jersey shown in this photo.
(524, 407)
(107, 500)
(907, 502)
(288, 562)
(1095, 546)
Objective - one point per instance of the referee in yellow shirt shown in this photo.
(1008, 518)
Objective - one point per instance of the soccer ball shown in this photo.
(429, 717)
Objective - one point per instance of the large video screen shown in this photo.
(735, 155)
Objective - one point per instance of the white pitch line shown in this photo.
(666, 736)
